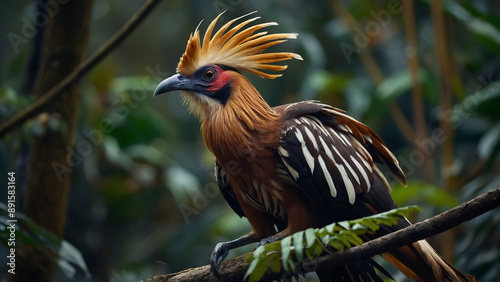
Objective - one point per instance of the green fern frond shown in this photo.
(310, 243)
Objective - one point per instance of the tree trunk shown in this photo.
(63, 49)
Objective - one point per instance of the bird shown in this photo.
(289, 167)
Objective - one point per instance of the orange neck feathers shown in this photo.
(232, 131)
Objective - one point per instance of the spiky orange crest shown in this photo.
(238, 48)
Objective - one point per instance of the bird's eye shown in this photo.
(210, 74)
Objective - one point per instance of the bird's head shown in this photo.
(209, 73)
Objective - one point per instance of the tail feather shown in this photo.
(420, 262)
(441, 268)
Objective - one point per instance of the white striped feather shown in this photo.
(328, 177)
(292, 171)
(265, 199)
(349, 167)
(305, 151)
(351, 193)
(382, 178)
(336, 134)
(347, 142)
(311, 137)
(327, 149)
(291, 105)
(305, 120)
(342, 127)
(362, 172)
(349, 129)
(283, 151)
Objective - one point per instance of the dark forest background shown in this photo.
(137, 196)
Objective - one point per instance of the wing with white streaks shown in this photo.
(309, 149)
(329, 154)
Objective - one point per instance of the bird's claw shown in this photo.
(266, 241)
(218, 255)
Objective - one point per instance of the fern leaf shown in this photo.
(315, 242)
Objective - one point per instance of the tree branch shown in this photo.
(234, 269)
(80, 71)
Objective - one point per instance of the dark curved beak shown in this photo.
(175, 82)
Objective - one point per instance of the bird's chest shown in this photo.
(248, 156)
(238, 143)
(252, 176)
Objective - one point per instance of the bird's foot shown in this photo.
(218, 255)
(267, 240)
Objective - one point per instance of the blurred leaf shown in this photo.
(145, 153)
(486, 27)
(484, 15)
(141, 126)
(478, 249)
(114, 153)
(69, 257)
(327, 84)
(358, 94)
(488, 101)
(298, 245)
(9, 97)
(285, 251)
(310, 237)
(420, 192)
(483, 102)
(371, 225)
(489, 147)
(488, 142)
(72, 255)
(182, 183)
(253, 264)
(397, 84)
(102, 76)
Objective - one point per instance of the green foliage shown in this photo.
(69, 258)
(423, 193)
(478, 249)
(311, 243)
(482, 24)
(396, 85)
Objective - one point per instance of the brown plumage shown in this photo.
(294, 166)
